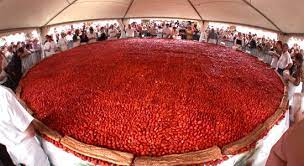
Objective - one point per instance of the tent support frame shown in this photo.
(196, 11)
(70, 4)
(128, 9)
(262, 14)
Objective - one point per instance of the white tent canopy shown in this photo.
(277, 15)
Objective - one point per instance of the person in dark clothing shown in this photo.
(212, 37)
(196, 32)
(252, 46)
(239, 42)
(252, 43)
(14, 70)
(101, 35)
(182, 33)
(84, 38)
(76, 36)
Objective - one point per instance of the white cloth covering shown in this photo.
(59, 157)
(29, 152)
(265, 144)
(14, 121)
(292, 89)
(296, 102)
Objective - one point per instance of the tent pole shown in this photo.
(261, 13)
(194, 8)
(70, 4)
(129, 7)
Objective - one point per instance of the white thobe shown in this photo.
(63, 44)
(50, 48)
(14, 121)
(92, 37)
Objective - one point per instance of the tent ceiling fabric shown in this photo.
(288, 15)
(93, 9)
(277, 15)
(231, 11)
(28, 13)
(162, 8)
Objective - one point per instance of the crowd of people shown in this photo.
(87, 34)
(17, 58)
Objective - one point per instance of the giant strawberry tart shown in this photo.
(153, 97)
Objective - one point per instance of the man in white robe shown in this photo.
(167, 31)
(17, 132)
(130, 32)
(50, 47)
(63, 43)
